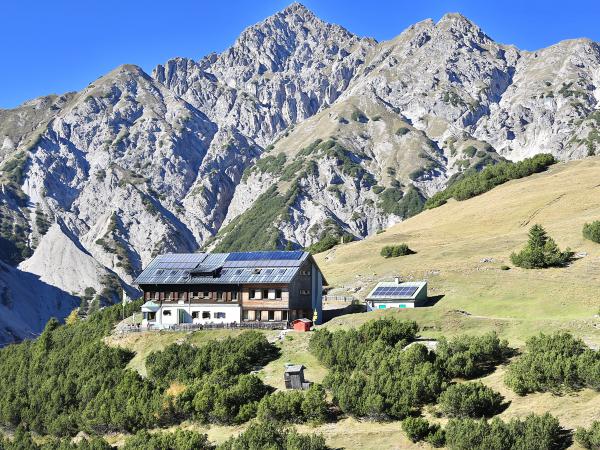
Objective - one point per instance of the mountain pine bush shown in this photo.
(392, 251)
(554, 363)
(473, 183)
(589, 438)
(591, 231)
(475, 400)
(532, 433)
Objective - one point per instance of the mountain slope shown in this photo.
(461, 246)
(300, 132)
(26, 304)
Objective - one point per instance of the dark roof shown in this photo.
(223, 268)
(294, 368)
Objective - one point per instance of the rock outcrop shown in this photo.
(301, 131)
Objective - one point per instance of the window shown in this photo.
(239, 271)
(169, 296)
(206, 314)
(306, 273)
(304, 292)
(195, 294)
(284, 315)
(272, 295)
(271, 315)
(281, 271)
(265, 293)
(278, 294)
(268, 271)
(245, 314)
(234, 296)
(220, 296)
(195, 314)
(219, 315)
(206, 294)
(152, 295)
(256, 271)
(167, 312)
(254, 294)
(151, 316)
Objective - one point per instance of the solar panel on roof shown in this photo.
(260, 256)
(177, 265)
(395, 291)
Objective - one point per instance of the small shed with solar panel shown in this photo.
(395, 294)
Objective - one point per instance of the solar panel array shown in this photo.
(235, 268)
(395, 291)
(258, 256)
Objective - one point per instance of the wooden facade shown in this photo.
(236, 301)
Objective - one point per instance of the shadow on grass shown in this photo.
(329, 314)
(565, 440)
(431, 301)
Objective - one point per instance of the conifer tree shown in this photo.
(541, 251)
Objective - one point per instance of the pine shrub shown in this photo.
(591, 231)
(393, 251)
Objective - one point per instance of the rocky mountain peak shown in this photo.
(289, 39)
(314, 130)
(297, 8)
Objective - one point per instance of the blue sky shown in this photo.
(62, 45)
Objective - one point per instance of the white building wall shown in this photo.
(372, 306)
(205, 313)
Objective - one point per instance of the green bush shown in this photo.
(222, 398)
(75, 382)
(177, 440)
(531, 433)
(469, 151)
(235, 355)
(474, 183)
(294, 407)
(436, 437)
(23, 440)
(471, 356)
(270, 436)
(373, 375)
(591, 231)
(541, 251)
(324, 244)
(416, 428)
(554, 363)
(590, 438)
(392, 251)
(475, 400)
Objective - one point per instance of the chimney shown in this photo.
(397, 279)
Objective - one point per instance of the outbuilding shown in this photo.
(294, 377)
(394, 294)
(302, 325)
